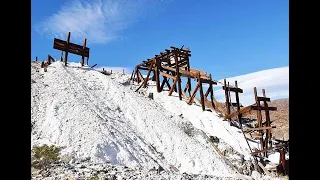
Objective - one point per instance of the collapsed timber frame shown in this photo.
(174, 64)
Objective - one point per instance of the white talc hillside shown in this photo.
(101, 117)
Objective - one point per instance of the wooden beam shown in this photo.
(268, 123)
(185, 73)
(207, 92)
(233, 89)
(140, 76)
(132, 75)
(66, 49)
(260, 128)
(178, 75)
(201, 93)
(259, 117)
(263, 98)
(268, 149)
(166, 75)
(143, 68)
(147, 78)
(193, 93)
(173, 85)
(208, 81)
(84, 47)
(242, 111)
(157, 75)
(184, 96)
(226, 94)
(209, 104)
(263, 108)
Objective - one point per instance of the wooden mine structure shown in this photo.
(174, 64)
(68, 47)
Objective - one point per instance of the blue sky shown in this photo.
(226, 37)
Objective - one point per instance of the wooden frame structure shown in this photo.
(174, 64)
(68, 47)
(47, 63)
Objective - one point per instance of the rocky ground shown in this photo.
(93, 171)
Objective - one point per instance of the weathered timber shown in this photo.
(66, 48)
(233, 89)
(263, 108)
(193, 93)
(269, 149)
(226, 94)
(83, 51)
(201, 93)
(70, 47)
(173, 86)
(147, 78)
(167, 75)
(263, 98)
(242, 111)
(260, 128)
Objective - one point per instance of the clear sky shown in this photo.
(226, 37)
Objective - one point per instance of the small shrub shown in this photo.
(43, 156)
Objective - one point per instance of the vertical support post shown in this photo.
(66, 50)
(137, 73)
(178, 74)
(147, 78)
(238, 103)
(189, 79)
(268, 131)
(36, 58)
(201, 92)
(227, 96)
(131, 75)
(211, 92)
(87, 60)
(259, 116)
(61, 59)
(283, 160)
(49, 60)
(157, 74)
(84, 47)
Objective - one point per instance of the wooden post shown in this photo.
(84, 46)
(157, 74)
(61, 59)
(66, 50)
(147, 78)
(173, 85)
(189, 79)
(87, 60)
(131, 75)
(36, 58)
(227, 96)
(49, 60)
(111, 71)
(283, 160)
(238, 103)
(193, 94)
(178, 74)
(211, 92)
(268, 132)
(201, 93)
(259, 116)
